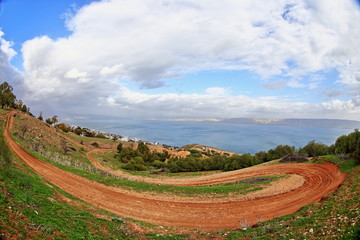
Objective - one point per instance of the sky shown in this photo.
(183, 59)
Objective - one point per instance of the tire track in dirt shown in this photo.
(320, 180)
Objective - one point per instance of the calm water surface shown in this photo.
(240, 138)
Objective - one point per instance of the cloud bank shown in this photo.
(149, 42)
(7, 72)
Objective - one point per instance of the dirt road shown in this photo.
(320, 180)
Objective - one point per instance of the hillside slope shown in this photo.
(163, 217)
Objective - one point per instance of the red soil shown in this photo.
(320, 180)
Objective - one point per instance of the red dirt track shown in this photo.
(320, 180)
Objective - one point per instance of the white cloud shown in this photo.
(197, 106)
(82, 77)
(7, 72)
(216, 91)
(5, 47)
(151, 41)
(116, 69)
(74, 74)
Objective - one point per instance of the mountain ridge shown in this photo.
(297, 122)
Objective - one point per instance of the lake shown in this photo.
(240, 138)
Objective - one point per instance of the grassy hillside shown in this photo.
(32, 208)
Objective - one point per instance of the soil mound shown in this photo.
(295, 158)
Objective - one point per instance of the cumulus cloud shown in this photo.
(5, 47)
(151, 41)
(7, 72)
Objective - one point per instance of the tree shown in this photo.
(7, 98)
(349, 144)
(119, 147)
(19, 104)
(48, 121)
(54, 119)
(63, 145)
(262, 156)
(143, 149)
(24, 129)
(313, 149)
(24, 109)
(136, 164)
(279, 152)
(63, 127)
(41, 117)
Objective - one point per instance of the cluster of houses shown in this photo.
(86, 132)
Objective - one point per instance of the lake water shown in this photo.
(240, 138)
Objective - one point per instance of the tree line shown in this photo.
(142, 158)
(8, 99)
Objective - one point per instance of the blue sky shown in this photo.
(184, 58)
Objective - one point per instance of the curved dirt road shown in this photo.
(320, 180)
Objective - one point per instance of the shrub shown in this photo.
(313, 149)
(159, 164)
(119, 147)
(63, 127)
(135, 164)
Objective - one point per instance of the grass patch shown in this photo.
(344, 165)
(31, 208)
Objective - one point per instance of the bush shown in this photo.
(279, 152)
(119, 147)
(350, 145)
(63, 127)
(313, 149)
(135, 164)
(159, 164)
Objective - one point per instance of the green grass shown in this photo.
(344, 165)
(30, 208)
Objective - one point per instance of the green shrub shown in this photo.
(313, 149)
(135, 164)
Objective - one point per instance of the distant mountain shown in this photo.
(298, 122)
